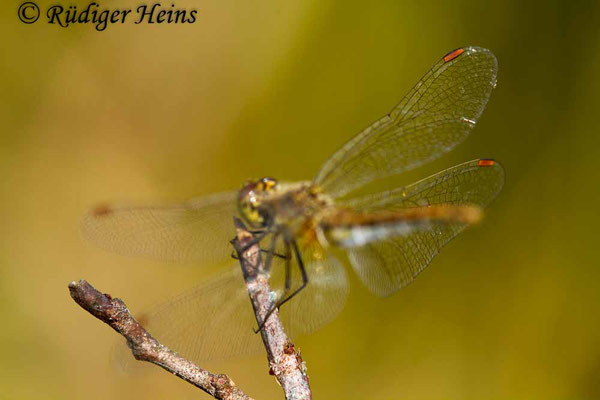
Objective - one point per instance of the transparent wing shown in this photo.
(433, 118)
(198, 230)
(321, 300)
(388, 265)
(213, 321)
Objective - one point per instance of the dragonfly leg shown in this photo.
(271, 251)
(235, 256)
(285, 299)
(288, 270)
(258, 233)
(257, 238)
(302, 272)
(251, 243)
(275, 254)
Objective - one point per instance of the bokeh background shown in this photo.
(161, 113)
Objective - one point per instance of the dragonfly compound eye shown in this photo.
(266, 184)
(248, 203)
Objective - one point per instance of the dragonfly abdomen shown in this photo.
(349, 228)
(359, 235)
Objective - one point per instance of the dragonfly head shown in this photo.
(250, 202)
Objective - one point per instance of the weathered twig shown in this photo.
(285, 361)
(144, 347)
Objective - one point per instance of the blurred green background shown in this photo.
(161, 113)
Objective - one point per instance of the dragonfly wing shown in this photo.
(197, 230)
(213, 321)
(436, 115)
(321, 300)
(387, 265)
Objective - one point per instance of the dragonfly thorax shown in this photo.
(267, 203)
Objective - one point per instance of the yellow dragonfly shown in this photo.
(387, 237)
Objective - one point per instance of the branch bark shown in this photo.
(144, 347)
(284, 360)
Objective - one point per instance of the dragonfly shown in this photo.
(307, 227)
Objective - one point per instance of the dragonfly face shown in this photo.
(388, 237)
(251, 202)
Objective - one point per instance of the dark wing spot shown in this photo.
(101, 210)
